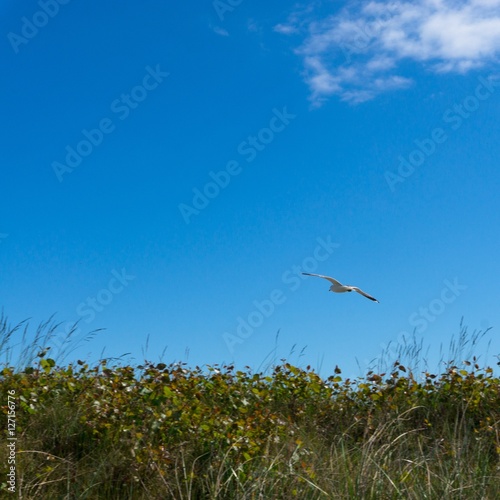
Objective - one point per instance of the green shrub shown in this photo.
(169, 431)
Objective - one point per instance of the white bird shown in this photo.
(340, 288)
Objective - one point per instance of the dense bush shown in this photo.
(156, 431)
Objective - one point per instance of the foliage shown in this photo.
(160, 431)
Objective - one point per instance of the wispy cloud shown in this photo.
(286, 29)
(356, 53)
(219, 31)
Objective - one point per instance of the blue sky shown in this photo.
(169, 170)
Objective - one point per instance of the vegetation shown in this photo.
(158, 431)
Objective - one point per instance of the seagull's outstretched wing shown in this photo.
(331, 280)
(356, 289)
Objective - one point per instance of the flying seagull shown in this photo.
(340, 288)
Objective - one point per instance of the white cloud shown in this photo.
(356, 52)
(286, 29)
(252, 26)
(219, 31)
